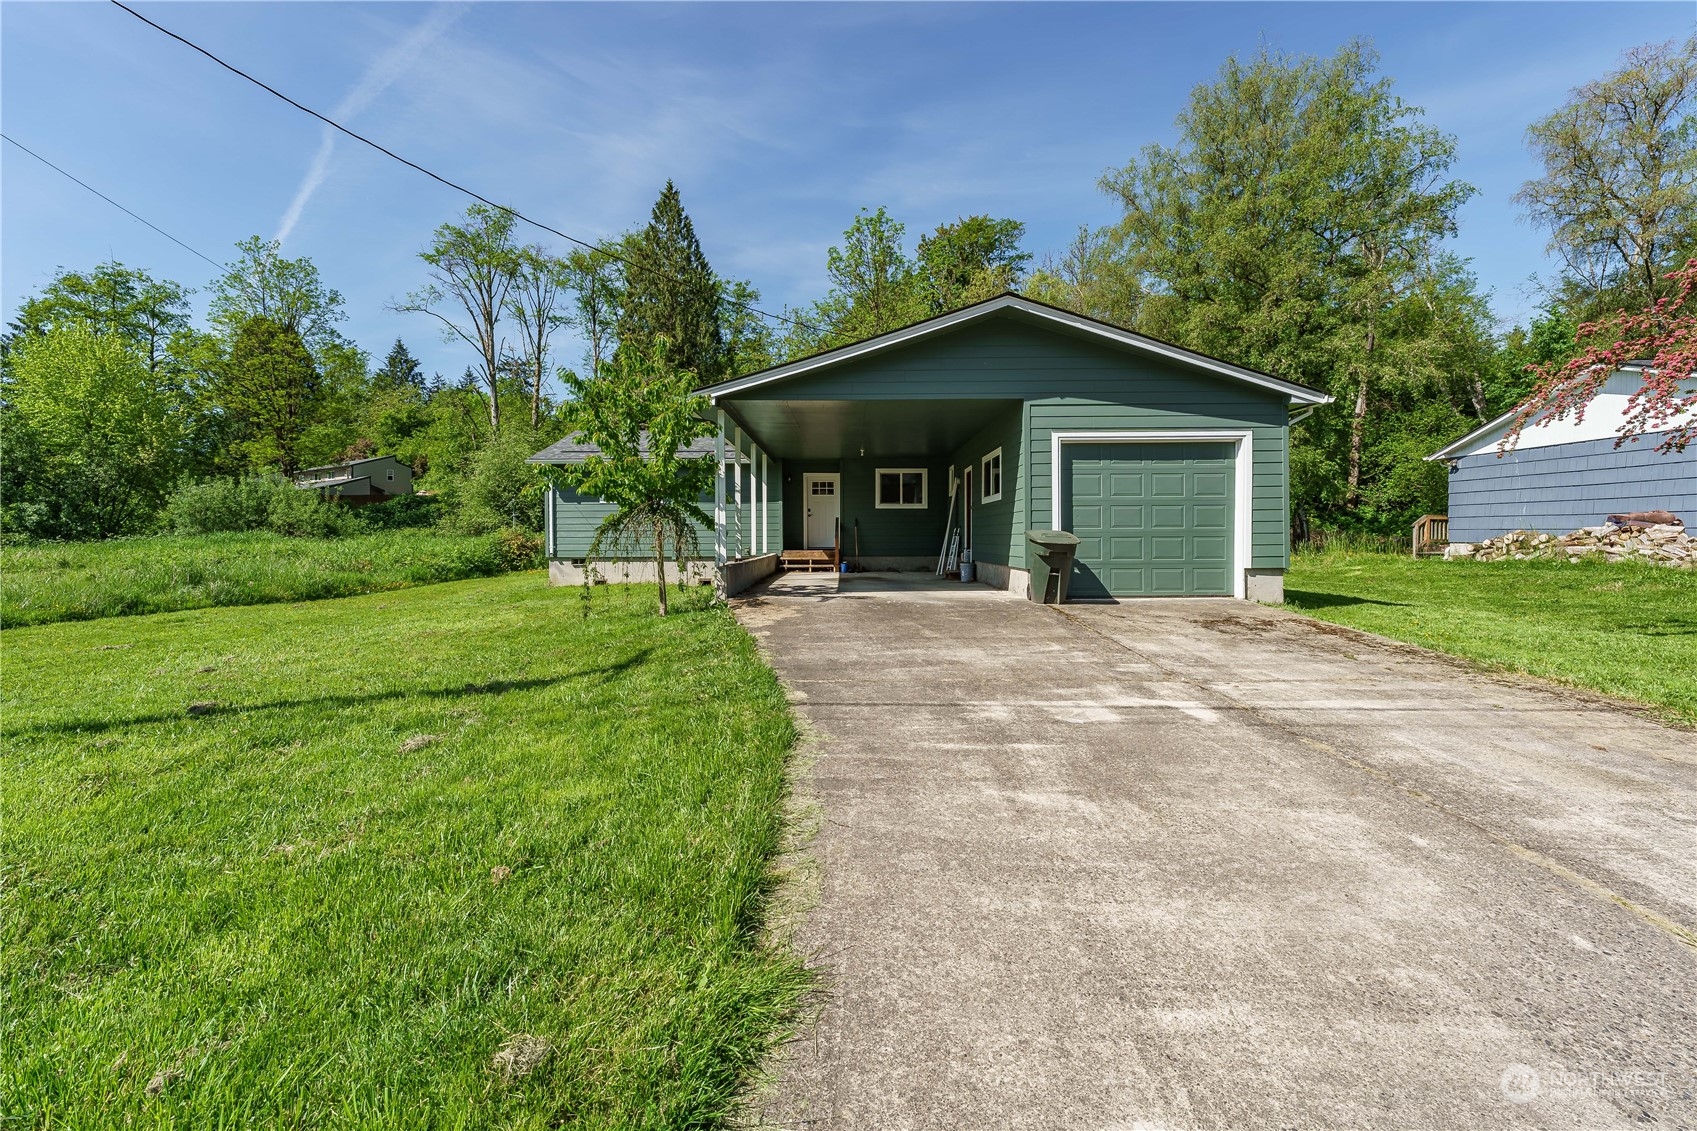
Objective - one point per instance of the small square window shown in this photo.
(901, 488)
(990, 476)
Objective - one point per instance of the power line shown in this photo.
(515, 213)
(112, 202)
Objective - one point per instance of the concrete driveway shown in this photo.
(1203, 864)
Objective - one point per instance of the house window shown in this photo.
(901, 488)
(391, 477)
(990, 476)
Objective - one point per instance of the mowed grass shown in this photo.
(60, 581)
(1628, 630)
(395, 834)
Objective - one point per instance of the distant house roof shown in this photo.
(346, 463)
(572, 450)
(1040, 313)
(1604, 416)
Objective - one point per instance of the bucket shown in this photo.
(966, 569)
(845, 567)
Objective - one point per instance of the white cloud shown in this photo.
(385, 69)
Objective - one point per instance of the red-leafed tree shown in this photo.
(1662, 339)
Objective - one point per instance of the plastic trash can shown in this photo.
(1051, 564)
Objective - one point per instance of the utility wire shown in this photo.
(112, 202)
(513, 212)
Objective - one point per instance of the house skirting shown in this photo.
(1015, 581)
(736, 576)
(571, 572)
(1264, 585)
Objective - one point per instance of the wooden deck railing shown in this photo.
(1431, 534)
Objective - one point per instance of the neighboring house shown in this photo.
(1565, 474)
(358, 481)
(1171, 467)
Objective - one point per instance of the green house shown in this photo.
(952, 438)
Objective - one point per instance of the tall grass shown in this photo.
(48, 582)
(448, 857)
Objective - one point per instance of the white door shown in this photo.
(819, 496)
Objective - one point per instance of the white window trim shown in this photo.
(1243, 459)
(984, 495)
(924, 488)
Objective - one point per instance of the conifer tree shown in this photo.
(672, 293)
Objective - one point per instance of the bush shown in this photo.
(503, 490)
(404, 512)
(221, 506)
(306, 514)
(259, 502)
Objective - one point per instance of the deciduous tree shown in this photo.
(640, 413)
(1619, 190)
(261, 283)
(1663, 336)
(474, 266)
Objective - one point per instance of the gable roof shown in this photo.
(1599, 411)
(1030, 309)
(347, 463)
(573, 450)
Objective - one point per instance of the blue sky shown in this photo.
(777, 121)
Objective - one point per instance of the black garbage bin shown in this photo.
(1051, 564)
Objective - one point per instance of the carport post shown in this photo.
(765, 500)
(736, 486)
(719, 497)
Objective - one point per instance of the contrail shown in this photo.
(384, 69)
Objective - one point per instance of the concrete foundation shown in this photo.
(739, 575)
(1264, 585)
(571, 573)
(1015, 581)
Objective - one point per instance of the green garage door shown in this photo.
(1153, 520)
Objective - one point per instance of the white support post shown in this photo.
(753, 534)
(765, 501)
(736, 490)
(719, 496)
(548, 518)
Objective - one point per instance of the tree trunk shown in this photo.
(536, 398)
(1357, 425)
(1476, 394)
(660, 564)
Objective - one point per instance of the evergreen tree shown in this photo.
(672, 293)
(400, 368)
(271, 389)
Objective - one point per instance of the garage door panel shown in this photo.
(1152, 519)
(1169, 485)
(1209, 516)
(1168, 516)
(1211, 485)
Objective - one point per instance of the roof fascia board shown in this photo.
(1086, 326)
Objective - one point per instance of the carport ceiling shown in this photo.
(810, 429)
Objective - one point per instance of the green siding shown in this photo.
(1069, 383)
(998, 528)
(883, 532)
(576, 517)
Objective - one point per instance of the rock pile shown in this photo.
(1664, 543)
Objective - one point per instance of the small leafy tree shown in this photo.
(640, 414)
(1664, 335)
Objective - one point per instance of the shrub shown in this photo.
(220, 506)
(306, 514)
(258, 502)
(503, 490)
(404, 512)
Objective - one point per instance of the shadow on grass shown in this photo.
(1303, 599)
(606, 673)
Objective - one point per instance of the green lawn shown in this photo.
(1628, 630)
(315, 865)
(59, 581)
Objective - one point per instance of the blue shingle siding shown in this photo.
(1566, 486)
